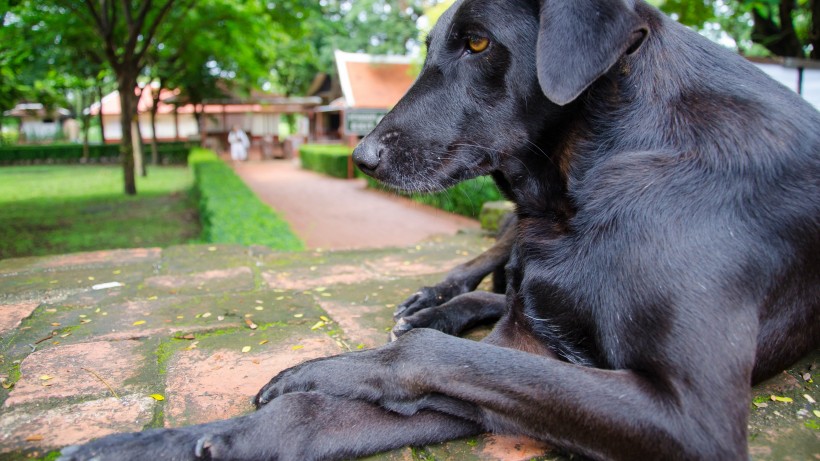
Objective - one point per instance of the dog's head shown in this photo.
(495, 79)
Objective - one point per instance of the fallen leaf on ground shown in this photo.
(34, 438)
(318, 325)
(778, 398)
(250, 324)
(157, 397)
(138, 322)
(263, 342)
(246, 349)
(46, 377)
(206, 315)
(297, 347)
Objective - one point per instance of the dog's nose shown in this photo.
(367, 155)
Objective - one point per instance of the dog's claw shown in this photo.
(401, 327)
(203, 446)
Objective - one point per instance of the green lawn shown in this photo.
(64, 209)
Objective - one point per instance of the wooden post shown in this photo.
(352, 142)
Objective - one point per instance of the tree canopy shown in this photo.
(788, 28)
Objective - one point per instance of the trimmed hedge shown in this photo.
(169, 153)
(230, 212)
(465, 198)
(329, 159)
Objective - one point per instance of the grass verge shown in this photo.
(231, 213)
(64, 209)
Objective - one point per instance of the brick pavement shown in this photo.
(96, 343)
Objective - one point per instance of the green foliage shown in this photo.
(70, 208)
(330, 159)
(231, 213)
(174, 153)
(756, 26)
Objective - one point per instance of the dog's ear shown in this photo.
(580, 40)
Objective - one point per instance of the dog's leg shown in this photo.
(674, 411)
(302, 426)
(455, 316)
(465, 277)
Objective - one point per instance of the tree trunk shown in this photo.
(128, 104)
(154, 142)
(85, 98)
(814, 31)
(100, 114)
(139, 158)
(176, 122)
(781, 39)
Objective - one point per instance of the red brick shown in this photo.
(12, 314)
(205, 386)
(67, 367)
(73, 424)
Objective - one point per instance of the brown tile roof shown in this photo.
(374, 82)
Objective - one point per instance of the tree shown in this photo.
(180, 39)
(788, 28)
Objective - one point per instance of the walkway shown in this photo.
(332, 213)
(118, 341)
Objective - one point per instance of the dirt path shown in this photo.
(332, 213)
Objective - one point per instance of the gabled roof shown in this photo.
(374, 82)
(35, 109)
(258, 102)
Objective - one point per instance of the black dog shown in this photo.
(441, 307)
(667, 250)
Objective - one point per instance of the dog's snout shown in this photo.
(367, 155)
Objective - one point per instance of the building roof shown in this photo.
(257, 103)
(374, 82)
(36, 110)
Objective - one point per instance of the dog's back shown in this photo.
(729, 163)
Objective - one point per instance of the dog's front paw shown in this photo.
(431, 317)
(425, 298)
(148, 446)
(291, 380)
(347, 375)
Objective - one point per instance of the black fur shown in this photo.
(666, 256)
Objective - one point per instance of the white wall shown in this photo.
(788, 77)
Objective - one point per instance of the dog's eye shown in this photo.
(477, 44)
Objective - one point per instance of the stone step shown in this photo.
(114, 341)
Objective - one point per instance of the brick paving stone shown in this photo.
(12, 314)
(90, 259)
(218, 280)
(179, 322)
(363, 324)
(509, 448)
(27, 428)
(204, 386)
(63, 372)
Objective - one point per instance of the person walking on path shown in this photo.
(239, 144)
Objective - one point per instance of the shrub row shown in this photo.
(329, 159)
(465, 198)
(169, 153)
(229, 210)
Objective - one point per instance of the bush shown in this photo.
(329, 159)
(175, 153)
(465, 198)
(229, 210)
